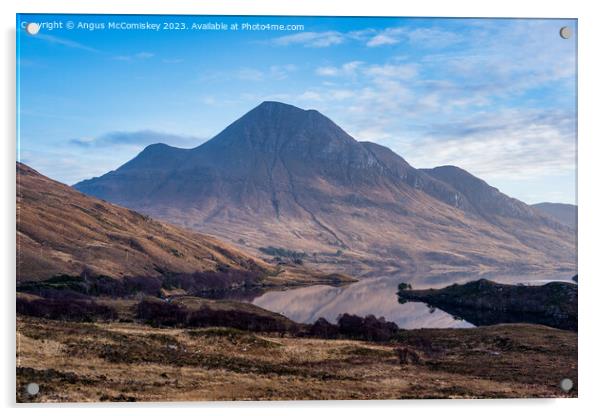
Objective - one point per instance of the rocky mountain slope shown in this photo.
(291, 178)
(563, 213)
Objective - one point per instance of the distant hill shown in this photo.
(61, 231)
(564, 213)
(285, 177)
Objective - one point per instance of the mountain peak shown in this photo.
(157, 147)
(275, 110)
(277, 105)
(273, 125)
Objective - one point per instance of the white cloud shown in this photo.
(274, 72)
(144, 55)
(280, 72)
(423, 37)
(403, 71)
(382, 39)
(327, 71)
(311, 39)
(347, 69)
(509, 144)
(135, 138)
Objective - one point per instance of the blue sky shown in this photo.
(495, 97)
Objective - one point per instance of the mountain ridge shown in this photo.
(280, 174)
(563, 213)
(63, 232)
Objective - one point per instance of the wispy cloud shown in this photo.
(253, 74)
(348, 68)
(249, 74)
(424, 37)
(510, 144)
(395, 71)
(135, 138)
(139, 56)
(311, 39)
(64, 42)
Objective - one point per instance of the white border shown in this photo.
(590, 70)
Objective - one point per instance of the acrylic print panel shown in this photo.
(291, 208)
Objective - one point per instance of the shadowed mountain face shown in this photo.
(63, 232)
(563, 213)
(287, 177)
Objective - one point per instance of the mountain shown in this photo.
(61, 231)
(563, 213)
(291, 178)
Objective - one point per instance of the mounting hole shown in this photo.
(566, 384)
(32, 389)
(32, 28)
(565, 32)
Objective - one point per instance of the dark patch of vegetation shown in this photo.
(323, 329)
(177, 253)
(234, 336)
(119, 398)
(484, 302)
(199, 283)
(408, 356)
(86, 286)
(206, 317)
(368, 328)
(295, 256)
(163, 313)
(66, 309)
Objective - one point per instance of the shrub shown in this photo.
(408, 356)
(369, 328)
(161, 313)
(295, 256)
(66, 309)
(323, 329)
(236, 319)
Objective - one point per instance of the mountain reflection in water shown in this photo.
(377, 296)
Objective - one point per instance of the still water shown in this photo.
(377, 296)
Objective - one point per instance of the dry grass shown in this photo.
(131, 362)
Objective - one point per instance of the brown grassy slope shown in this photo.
(62, 231)
(131, 362)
